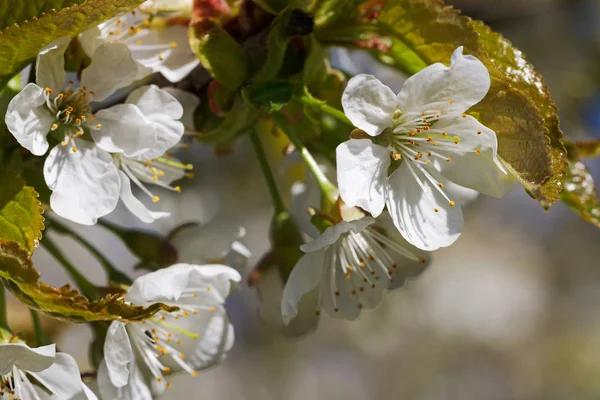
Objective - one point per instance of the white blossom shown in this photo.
(422, 141)
(56, 374)
(82, 170)
(196, 337)
(348, 267)
(157, 43)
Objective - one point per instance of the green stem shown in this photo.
(267, 173)
(40, 336)
(86, 287)
(113, 273)
(308, 100)
(329, 191)
(3, 315)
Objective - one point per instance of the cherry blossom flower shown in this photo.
(421, 140)
(196, 337)
(158, 43)
(82, 170)
(348, 267)
(56, 372)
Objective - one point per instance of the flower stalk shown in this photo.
(309, 101)
(267, 173)
(86, 287)
(41, 339)
(3, 319)
(329, 192)
(113, 273)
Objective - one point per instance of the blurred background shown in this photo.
(510, 312)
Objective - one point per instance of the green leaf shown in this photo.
(580, 192)
(274, 95)
(219, 53)
(21, 218)
(22, 279)
(20, 44)
(415, 33)
(17, 11)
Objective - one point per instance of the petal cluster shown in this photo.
(99, 154)
(196, 337)
(348, 267)
(56, 373)
(423, 147)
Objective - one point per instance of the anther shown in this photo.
(397, 156)
(173, 45)
(138, 42)
(48, 90)
(336, 309)
(54, 127)
(98, 126)
(448, 159)
(477, 151)
(317, 313)
(450, 101)
(177, 189)
(479, 132)
(441, 185)
(74, 149)
(456, 140)
(452, 203)
(464, 115)
(337, 293)
(155, 199)
(436, 209)
(160, 58)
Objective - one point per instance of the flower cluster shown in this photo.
(113, 130)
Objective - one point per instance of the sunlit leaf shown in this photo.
(22, 279)
(21, 218)
(19, 44)
(580, 192)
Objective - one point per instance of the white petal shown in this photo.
(212, 284)
(482, 172)
(207, 243)
(269, 288)
(136, 207)
(460, 194)
(50, 66)
(154, 102)
(215, 338)
(28, 119)
(189, 102)
(101, 78)
(118, 354)
(333, 233)
(412, 206)
(153, 49)
(369, 104)
(164, 111)
(85, 183)
(26, 358)
(90, 40)
(450, 90)
(123, 128)
(305, 277)
(362, 169)
(136, 388)
(63, 379)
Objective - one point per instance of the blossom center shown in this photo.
(71, 110)
(367, 260)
